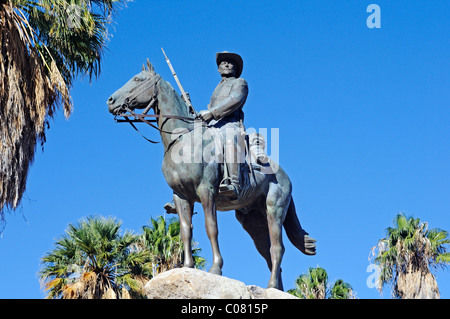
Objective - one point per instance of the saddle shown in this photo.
(256, 161)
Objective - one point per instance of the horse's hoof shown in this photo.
(215, 271)
(273, 284)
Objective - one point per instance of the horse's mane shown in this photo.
(167, 93)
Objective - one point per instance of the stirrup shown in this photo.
(230, 190)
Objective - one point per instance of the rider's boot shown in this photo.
(230, 185)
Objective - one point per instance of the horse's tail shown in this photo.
(296, 234)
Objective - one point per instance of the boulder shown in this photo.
(187, 283)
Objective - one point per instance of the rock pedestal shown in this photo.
(187, 283)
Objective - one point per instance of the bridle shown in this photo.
(126, 111)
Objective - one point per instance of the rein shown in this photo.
(128, 111)
(142, 118)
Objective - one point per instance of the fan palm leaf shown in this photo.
(93, 261)
(408, 254)
(163, 241)
(314, 285)
(41, 53)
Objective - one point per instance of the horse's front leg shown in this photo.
(184, 211)
(209, 208)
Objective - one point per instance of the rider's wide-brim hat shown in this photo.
(228, 56)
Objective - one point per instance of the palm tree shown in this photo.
(314, 285)
(163, 241)
(94, 261)
(44, 46)
(341, 290)
(408, 254)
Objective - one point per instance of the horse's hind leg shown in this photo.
(255, 224)
(277, 203)
(184, 211)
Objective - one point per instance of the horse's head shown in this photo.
(136, 93)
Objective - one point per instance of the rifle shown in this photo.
(183, 93)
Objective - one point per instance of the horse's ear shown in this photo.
(150, 67)
(143, 67)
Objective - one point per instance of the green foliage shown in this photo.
(44, 46)
(314, 285)
(163, 241)
(341, 290)
(93, 260)
(73, 33)
(409, 247)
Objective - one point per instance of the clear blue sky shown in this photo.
(363, 116)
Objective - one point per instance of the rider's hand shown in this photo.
(206, 115)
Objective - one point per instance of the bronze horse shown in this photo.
(262, 214)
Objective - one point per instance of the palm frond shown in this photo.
(93, 260)
(409, 247)
(41, 55)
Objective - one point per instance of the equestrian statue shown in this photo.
(209, 159)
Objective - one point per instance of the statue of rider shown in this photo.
(225, 112)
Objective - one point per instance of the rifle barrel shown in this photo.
(183, 93)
